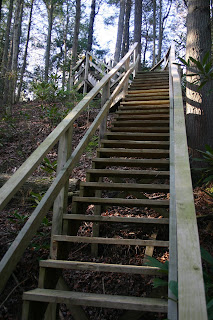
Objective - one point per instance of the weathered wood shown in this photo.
(111, 219)
(145, 103)
(142, 91)
(140, 163)
(118, 241)
(190, 277)
(100, 267)
(123, 202)
(140, 129)
(130, 174)
(142, 117)
(126, 186)
(140, 123)
(137, 136)
(135, 144)
(97, 300)
(143, 153)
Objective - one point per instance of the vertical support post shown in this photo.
(86, 73)
(135, 54)
(125, 88)
(104, 98)
(60, 203)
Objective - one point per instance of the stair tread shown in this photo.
(150, 102)
(154, 173)
(137, 135)
(132, 162)
(97, 300)
(119, 241)
(123, 202)
(122, 117)
(135, 144)
(147, 91)
(125, 186)
(117, 219)
(100, 267)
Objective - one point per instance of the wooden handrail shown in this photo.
(161, 61)
(191, 294)
(17, 248)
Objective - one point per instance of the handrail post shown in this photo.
(125, 88)
(86, 72)
(135, 55)
(105, 96)
(60, 203)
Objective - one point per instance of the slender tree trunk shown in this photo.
(137, 27)
(4, 65)
(146, 45)
(76, 32)
(160, 32)
(125, 44)
(65, 47)
(154, 32)
(25, 52)
(50, 11)
(119, 32)
(199, 111)
(0, 8)
(91, 25)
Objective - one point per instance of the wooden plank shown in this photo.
(150, 249)
(116, 241)
(141, 123)
(123, 202)
(129, 173)
(135, 144)
(97, 300)
(142, 117)
(126, 186)
(190, 278)
(141, 91)
(141, 163)
(140, 129)
(99, 267)
(112, 219)
(141, 111)
(143, 153)
(150, 102)
(137, 136)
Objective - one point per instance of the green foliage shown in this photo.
(36, 197)
(93, 144)
(207, 157)
(48, 166)
(208, 280)
(203, 69)
(18, 218)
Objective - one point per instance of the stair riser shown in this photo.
(139, 129)
(142, 123)
(127, 145)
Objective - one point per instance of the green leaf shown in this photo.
(206, 57)
(210, 304)
(155, 263)
(206, 256)
(173, 286)
(159, 283)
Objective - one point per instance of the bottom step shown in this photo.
(97, 300)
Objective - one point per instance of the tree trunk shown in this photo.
(137, 27)
(199, 111)
(125, 44)
(146, 45)
(154, 32)
(65, 47)
(160, 40)
(50, 10)
(4, 65)
(119, 32)
(91, 25)
(25, 52)
(76, 32)
(0, 8)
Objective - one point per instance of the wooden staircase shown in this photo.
(132, 163)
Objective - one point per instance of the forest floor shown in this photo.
(19, 137)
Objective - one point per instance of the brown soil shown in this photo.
(19, 137)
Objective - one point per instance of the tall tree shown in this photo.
(125, 44)
(120, 31)
(137, 27)
(154, 32)
(91, 25)
(199, 111)
(76, 32)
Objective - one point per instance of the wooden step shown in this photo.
(123, 202)
(137, 136)
(123, 162)
(145, 97)
(149, 91)
(140, 129)
(139, 123)
(100, 267)
(154, 94)
(149, 82)
(122, 117)
(97, 300)
(140, 153)
(141, 111)
(129, 173)
(112, 219)
(128, 144)
(146, 103)
(141, 106)
(147, 87)
(111, 241)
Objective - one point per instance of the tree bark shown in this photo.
(119, 32)
(25, 53)
(137, 27)
(91, 26)
(125, 44)
(154, 32)
(76, 32)
(160, 40)
(65, 46)
(199, 111)
(50, 11)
